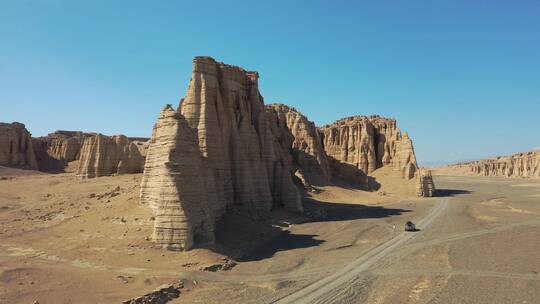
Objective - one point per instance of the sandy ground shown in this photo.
(65, 240)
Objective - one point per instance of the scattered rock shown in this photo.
(161, 295)
(227, 265)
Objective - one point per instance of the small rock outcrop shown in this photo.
(173, 184)
(16, 149)
(102, 155)
(524, 165)
(426, 186)
(366, 144)
(299, 138)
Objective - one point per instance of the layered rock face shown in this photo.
(368, 143)
(56, 150)
(240, 166)
(173, 184)
(102, 155)
(16, 148)
(298, 137)
(426, 186)
(245, 172)
(525, 165)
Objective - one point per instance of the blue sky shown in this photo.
(462, 77)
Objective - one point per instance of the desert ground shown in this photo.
(67, 240)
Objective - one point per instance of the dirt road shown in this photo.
(337, 287)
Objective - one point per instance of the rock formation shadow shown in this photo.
(252, 240)
(324, 212)
(283, 242)
(344, 175)
(451, 192)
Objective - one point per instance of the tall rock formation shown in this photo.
(299, 138)
(239, 166)
(102, 155)
(245, 172)
(525, 165)
(366, 144)
(16, 148)
(173, 184)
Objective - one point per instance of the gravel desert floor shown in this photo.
(66, 240)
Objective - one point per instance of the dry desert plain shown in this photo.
(67, 240)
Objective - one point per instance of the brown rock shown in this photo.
(56, 150)
(426, 186)
(366, 144)
(173, 184)
(16, 149)
(243, 169)
(299, 137)
(525, 165)
(102, 155)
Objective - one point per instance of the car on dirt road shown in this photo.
(410, 226)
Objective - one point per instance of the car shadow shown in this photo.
(451, 192)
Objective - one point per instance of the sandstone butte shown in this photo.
(16, 146)
(524, 165)
(102, 155)
(224, 151)
(366, 144)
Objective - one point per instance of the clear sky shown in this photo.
(462, 77)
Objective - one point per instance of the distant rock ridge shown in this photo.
(368, 143)
(524, 165)
(16, 149)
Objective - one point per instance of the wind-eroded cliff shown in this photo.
(102, 155)
(55, 151)
(525, 165)
(299, 139)
(368, 143)
(16, 148)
